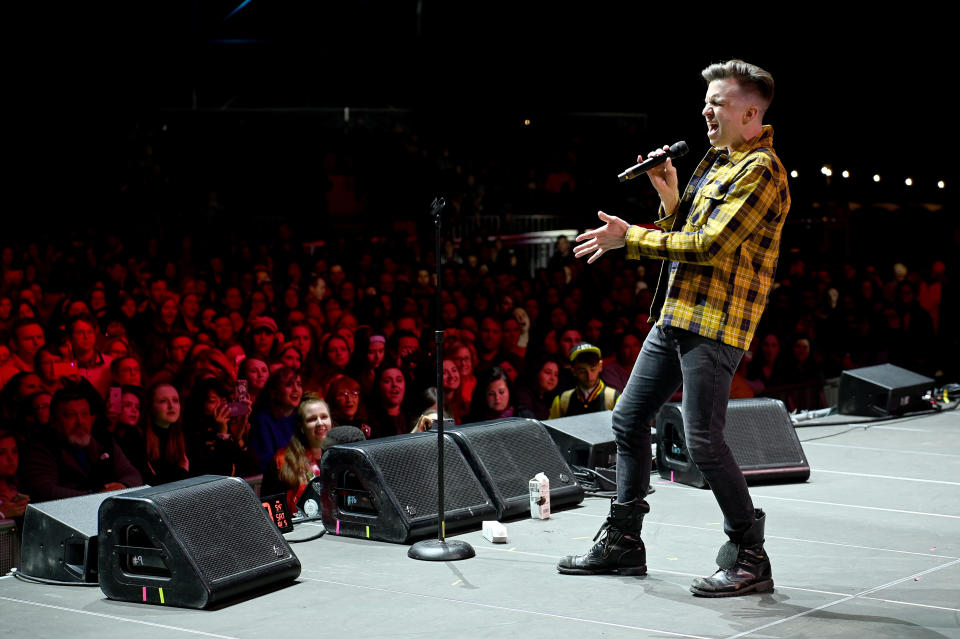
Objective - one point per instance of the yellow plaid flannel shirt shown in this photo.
(723, 259)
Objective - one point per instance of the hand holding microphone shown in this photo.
(656, 158)
(662, 175)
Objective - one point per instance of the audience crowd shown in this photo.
(248, 350)
(150, 367)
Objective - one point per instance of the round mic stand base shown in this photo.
(441, 550)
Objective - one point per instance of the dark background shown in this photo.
(867, 93)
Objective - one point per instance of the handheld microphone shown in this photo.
(676, 150)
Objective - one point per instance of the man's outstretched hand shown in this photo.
(598, 241)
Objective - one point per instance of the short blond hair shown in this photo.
(748, 76)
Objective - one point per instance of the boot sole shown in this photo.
(633, 571)
(759, 587)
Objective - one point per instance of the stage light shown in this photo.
(826, 170)
(941, 184)
(908, 181)
(794, 174)
(876, 178)
(845, 174)
(526, 123)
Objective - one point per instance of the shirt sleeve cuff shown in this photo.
(633, 238)
(664, 220)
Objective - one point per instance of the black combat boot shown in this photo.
(743, 568)
(620, 549)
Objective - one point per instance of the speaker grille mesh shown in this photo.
(409, 467)
(760, 433)
(222, 535)
(513, 451)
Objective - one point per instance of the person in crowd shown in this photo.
(176, 348)
(116, 346)
(301, 336)
(617, 368)
(453, 403)
(424, 403)
(492, 397)
(224, 334)
(256, 372)
(538, 386)
(165, 323)
(294, 465)
(92, 365)
(425, 421)
(367, 357)
(48, 365)
(335, 355)
(37, 415)
(211, 445)
(6, 313)
(125, 426)
(524, 323)
(387, 414)
(190, 310)
(489, 351)
(803, 377)
(740, 386)
(27, 338)
(14, 397)
(346, 405)
(463, 356)
(166, 445)
(915, 335)
(289, 355)
(402, 346)
(67, 461)
(261, 338)
(13, 503)
(317, 287)
(766, 367)
(590, 394)
(272, 421)
(125, 371)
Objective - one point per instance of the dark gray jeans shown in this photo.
(705, 367)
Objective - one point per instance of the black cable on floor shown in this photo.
(870, 423)
(22, 576)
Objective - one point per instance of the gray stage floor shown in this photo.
(868, 547)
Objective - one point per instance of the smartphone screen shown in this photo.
(113, 400)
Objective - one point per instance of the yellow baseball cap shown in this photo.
(584, 347)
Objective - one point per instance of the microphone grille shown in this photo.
(678, 149)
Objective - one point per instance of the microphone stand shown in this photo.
(440, 549)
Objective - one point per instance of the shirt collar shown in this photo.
(765, 139)
(589, 394)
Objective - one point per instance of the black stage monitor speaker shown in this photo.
(60, 538)
(759, 432)
(386, 489)
(191, 543)
(9, 546)
(507, 453)
(876, 391)
(585, 440)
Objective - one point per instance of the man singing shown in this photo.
(719, 243)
